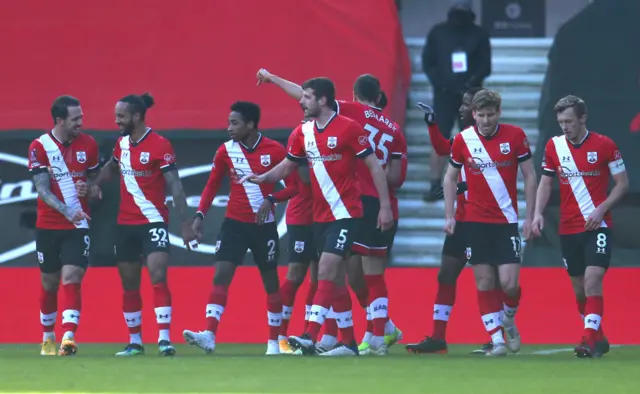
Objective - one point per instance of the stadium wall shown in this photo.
(547, 315)
(196, 59)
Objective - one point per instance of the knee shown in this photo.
(592, 285)
(328, 272)
(224, 274)
(50, 283)
(296, 274)
(485, 282)
(270, 280)
(447, 275)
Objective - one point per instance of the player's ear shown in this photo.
(251, 124)
(583, 119)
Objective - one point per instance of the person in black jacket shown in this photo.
(456, 57)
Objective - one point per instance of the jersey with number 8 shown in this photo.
(384, 135)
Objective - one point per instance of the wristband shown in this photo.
(199, 215)
(271, 199)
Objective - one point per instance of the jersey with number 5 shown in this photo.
(383, 137)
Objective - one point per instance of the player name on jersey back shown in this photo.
(383, 134)
(142, 184)
(491, 165)
(66, 164)
(583, 172)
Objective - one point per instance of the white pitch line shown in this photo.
(555, 351)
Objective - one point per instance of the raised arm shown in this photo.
(291, 88)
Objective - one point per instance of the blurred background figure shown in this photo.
(456, 57)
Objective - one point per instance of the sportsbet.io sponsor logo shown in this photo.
(477, 165)
(566, 174)
(220, 202)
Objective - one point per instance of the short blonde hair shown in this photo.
(570, 101)
(486, 98)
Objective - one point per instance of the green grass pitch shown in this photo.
(244, 369)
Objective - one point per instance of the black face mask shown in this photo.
(460, 17)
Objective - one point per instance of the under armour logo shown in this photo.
(487, 322)
(55, 158)
(132, 320)
(161, 316)
(592, 321)
(274, 321)
(210, 312)
(477, 150)
(436, 311)
(238, 159)
(566, 159)
(314, 313)
(600, 250)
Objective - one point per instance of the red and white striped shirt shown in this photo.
(142, 184)
(491, 165)
(66, 164)
(237, 160)
(583, 171)
(332, 153)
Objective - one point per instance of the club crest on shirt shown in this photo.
(468, 253)
(265, 160)
(332, 142)
(592, 157)
(144, 157)
(298, 247)
(505, 148)
(81, 157)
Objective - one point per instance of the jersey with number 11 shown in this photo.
(384, 136)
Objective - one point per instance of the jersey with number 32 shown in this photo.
(384, 135)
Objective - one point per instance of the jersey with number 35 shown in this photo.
(384, 135)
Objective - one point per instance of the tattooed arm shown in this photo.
(180, 203)
(43, 186)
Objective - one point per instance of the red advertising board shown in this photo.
(547, 314)
(196, 57)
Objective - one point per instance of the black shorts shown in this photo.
(336, 237)
(457, 245)
(236, 237)
(391, 236)
(135, 240)
(591, 248)
(302, 246)
(372, 241)
(493, 244)
(56, 248)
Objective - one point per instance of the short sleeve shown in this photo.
(116, 151)
(166, 156)
(38, 161)
(347, 108)
(399, 147)
(457, 152)
(358, 140)
(523, 151)
(614, 158)
(93, 155)
(295, 146)
(548, 162)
